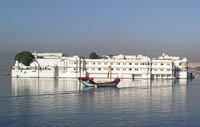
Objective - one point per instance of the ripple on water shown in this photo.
(65, 103)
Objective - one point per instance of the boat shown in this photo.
(89, 82)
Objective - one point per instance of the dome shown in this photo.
(184, 59)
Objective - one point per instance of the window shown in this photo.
(130, 63)
(105, 63)
(161, 64)
(99, 63)
(118, 63)
(124, 63)
(136, 69)
(161, 69)
(124, 69)
(136, 63)
(111, 63)
(99, 69)
(130, 69)
(94, 63)
(155, 69)
(93, 68)
(168, 64)
(168, 69)
(118, 69)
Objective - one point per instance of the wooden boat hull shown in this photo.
(87, 84)
(107, 85)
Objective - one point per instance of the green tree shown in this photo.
(93, 55)
(25, 58)
(110, 55)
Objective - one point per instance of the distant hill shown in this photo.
(197, 68)
(194, 64)
(6, 63)
(194, 68)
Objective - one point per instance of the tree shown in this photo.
(25, 58)
(110, 55)
(93, 55)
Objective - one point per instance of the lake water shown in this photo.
(65, 103)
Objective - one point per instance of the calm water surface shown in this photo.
(64, 102)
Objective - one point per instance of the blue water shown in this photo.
(65, 103)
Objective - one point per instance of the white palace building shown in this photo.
(56, 65)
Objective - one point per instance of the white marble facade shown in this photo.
(56, 65)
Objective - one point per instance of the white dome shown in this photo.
(184, 59)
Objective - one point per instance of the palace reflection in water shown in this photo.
(26, 86)
(139, 102)
(146, 92)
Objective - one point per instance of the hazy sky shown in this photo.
(148, 27)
